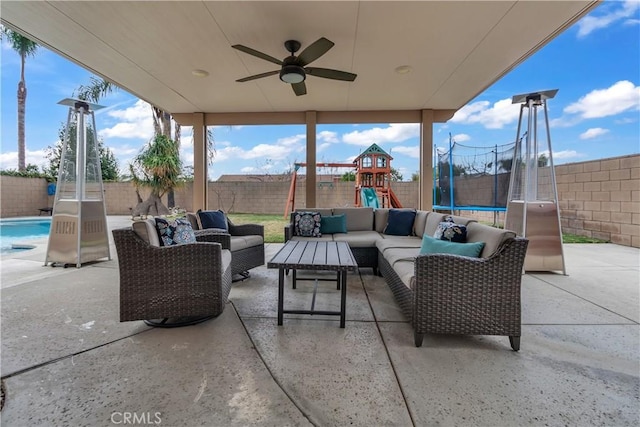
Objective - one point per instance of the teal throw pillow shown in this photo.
(333, 224)
(431, 245)
(400, 222)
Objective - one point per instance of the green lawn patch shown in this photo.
(273, 224)
(574, 238)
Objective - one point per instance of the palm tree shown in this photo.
(157, 167)
(23, 47)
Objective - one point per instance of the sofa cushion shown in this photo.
(431, 224)
(419, 223)
(358, 239)
(213, 219)
(394, 255)
(146, 230)
(333, 224)
(400, 222)
(452, 232)
(307, 224)
(406, 272)
(174, 231)
(226, 259)
(242, 242)
(358, 219)
(491, 236)
(380, 219)
(398, 242)
(431, 245)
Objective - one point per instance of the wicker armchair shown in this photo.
(246, 242)
(186, 283)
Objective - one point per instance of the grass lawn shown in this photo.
(273, 224)
(274, 228)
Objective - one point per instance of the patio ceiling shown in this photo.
(455, 49)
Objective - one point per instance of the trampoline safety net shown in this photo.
(473, 178)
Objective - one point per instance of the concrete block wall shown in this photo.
(23, 196)
(601, 199)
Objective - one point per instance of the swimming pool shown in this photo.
(21, 230)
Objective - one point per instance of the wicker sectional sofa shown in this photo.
(439, 293)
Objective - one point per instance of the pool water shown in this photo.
(17, 230)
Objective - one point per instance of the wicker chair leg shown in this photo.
(177, 322)
(418, 339)
(515, 343)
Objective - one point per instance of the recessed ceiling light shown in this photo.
(403, 69)
(200, 73)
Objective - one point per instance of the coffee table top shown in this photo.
(309, 255)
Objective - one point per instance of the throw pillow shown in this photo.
(333, 224)
(213, 219)
(400, 222)
(174, 231)
(307, 224)
(432, 245)
(451, 231)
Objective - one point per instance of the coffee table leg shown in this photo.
(281, 294)
(343, 298)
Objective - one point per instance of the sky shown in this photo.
(595, 64)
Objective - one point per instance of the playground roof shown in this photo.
(453, 50)
(374, 149)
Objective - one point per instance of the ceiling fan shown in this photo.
(294, 68)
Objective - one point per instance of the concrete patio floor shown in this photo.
(67, 360)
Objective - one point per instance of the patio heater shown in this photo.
(532, 204)
(79, 220)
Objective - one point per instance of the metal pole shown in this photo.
(80, 154)
(451, 144)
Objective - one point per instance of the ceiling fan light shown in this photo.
(292, 74)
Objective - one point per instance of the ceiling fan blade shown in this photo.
(299, 88)
(314, 51)
(259, 76)
(330, 74)
(257, 54)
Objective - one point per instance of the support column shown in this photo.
(199, 163)
(311, 120)
(425, 195)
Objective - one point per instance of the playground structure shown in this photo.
(473, 178)
(372, 174)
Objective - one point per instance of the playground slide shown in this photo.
(369, 198)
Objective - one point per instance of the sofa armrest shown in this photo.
(288, 232)
(209, 235)
(246, 229)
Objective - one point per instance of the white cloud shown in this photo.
(407, 151)
(564, 154)
(395, 132)
(502, 113)
(620, 97)
(9, 160)
(278, 151)
(323, 146)
(591, 23)
(593, 133)
(133, 122)
(461, 137)
(328, 137)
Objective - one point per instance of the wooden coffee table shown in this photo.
(315, 256)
